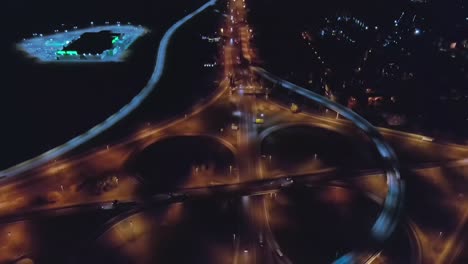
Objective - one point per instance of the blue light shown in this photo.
(118, 116)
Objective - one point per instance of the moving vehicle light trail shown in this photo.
(116, 117)
(388, 218)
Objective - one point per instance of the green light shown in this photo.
(115, 40)
(67, 52)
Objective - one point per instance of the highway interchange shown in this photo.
(55, 184)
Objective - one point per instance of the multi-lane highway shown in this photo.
(237, 118)
(118, 116)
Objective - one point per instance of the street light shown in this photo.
(132, 237)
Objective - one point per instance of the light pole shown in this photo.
(132, 237)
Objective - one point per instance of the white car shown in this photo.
(286, 181)
(109, 206)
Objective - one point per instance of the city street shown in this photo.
(242, 178)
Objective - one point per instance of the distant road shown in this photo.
(116, 117)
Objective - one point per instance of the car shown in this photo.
(110, 206)
(260, 239)
(428, 139)
(162, 197)
(178, 196)
(294, 108)
(259, 121)
(286, 182)
(107, 206)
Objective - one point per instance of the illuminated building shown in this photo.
(91, 45)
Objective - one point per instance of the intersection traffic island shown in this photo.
(94, 44)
